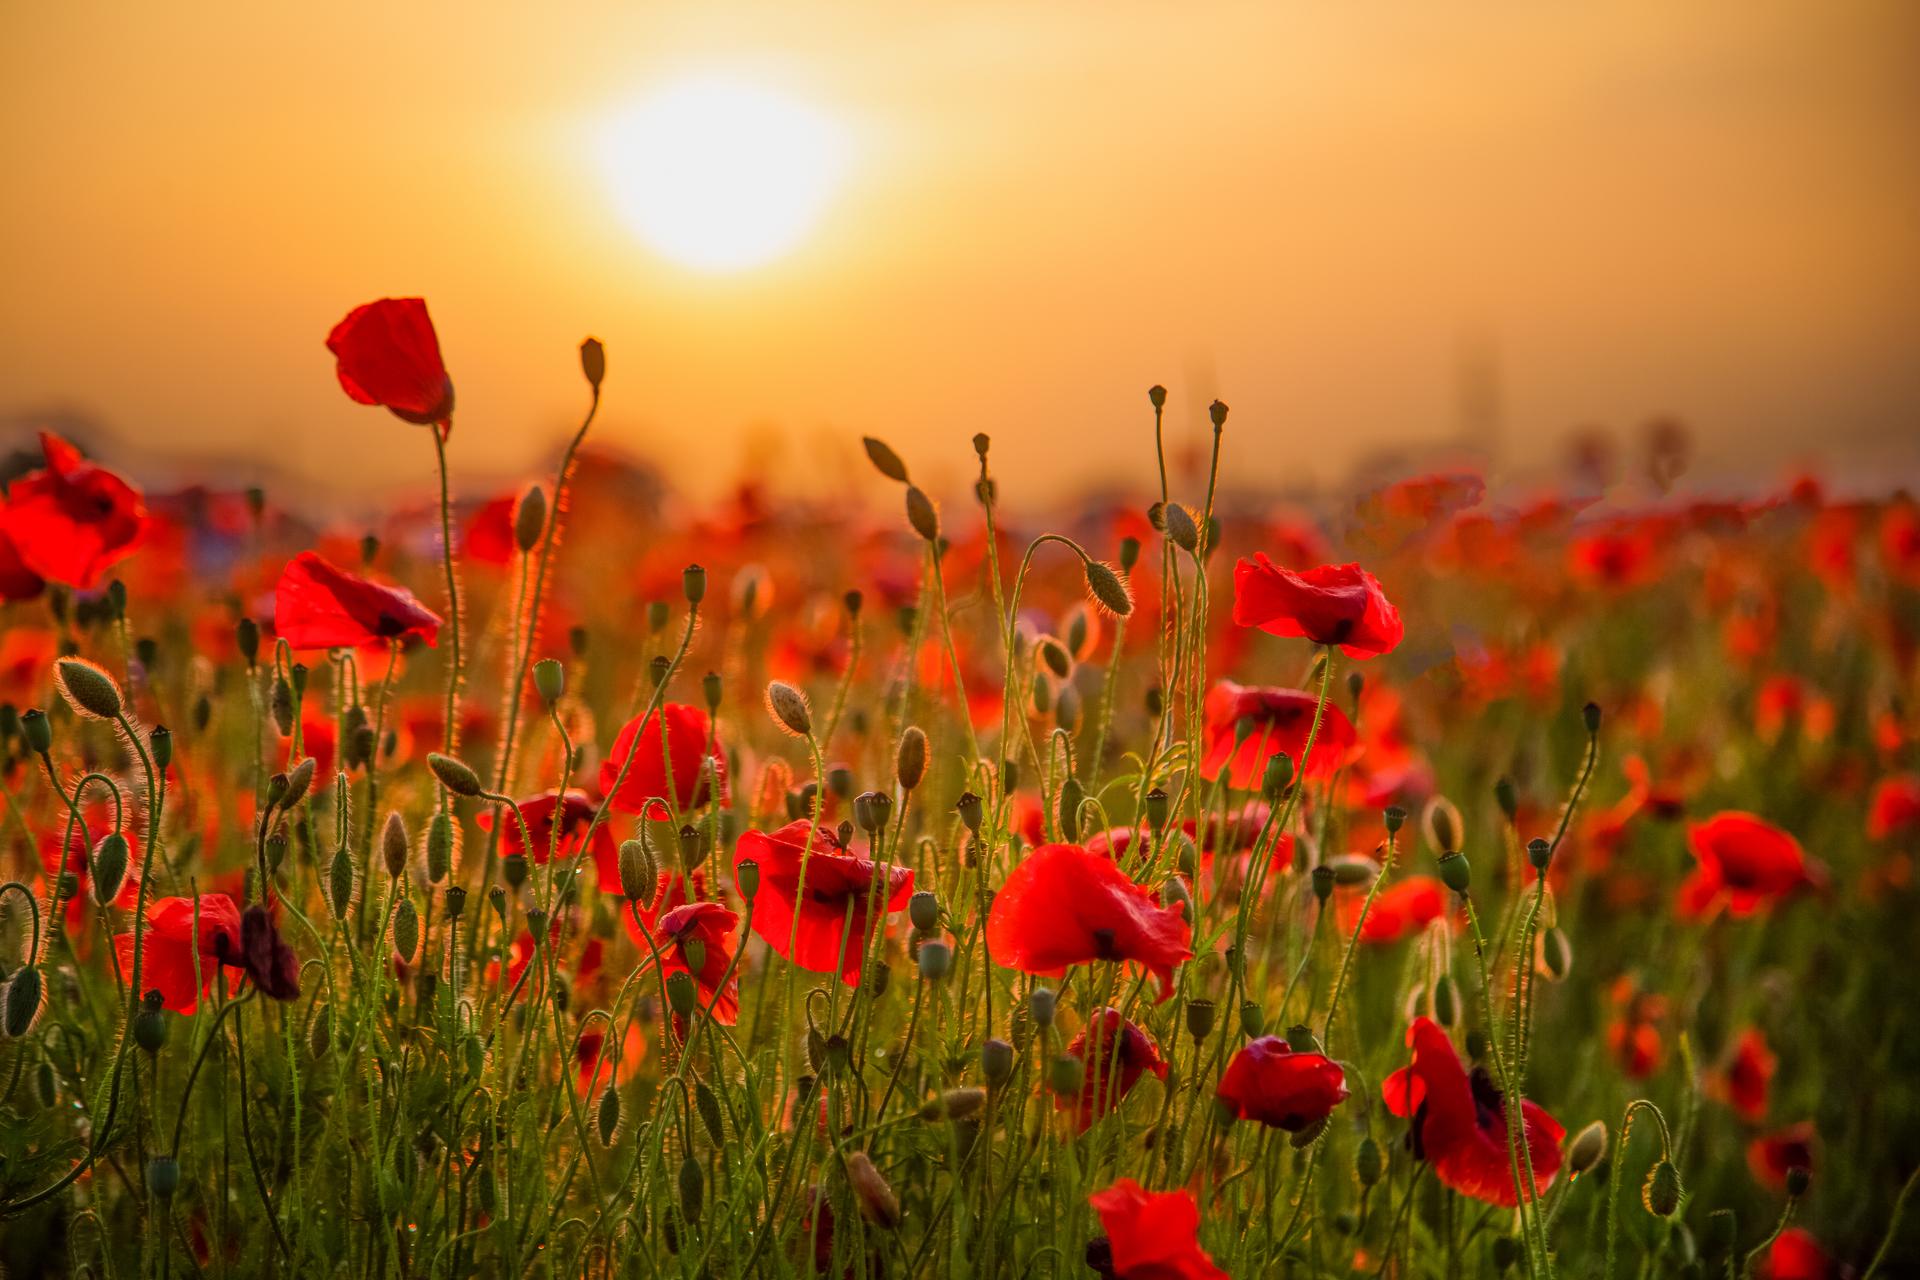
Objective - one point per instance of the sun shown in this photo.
(720, 174)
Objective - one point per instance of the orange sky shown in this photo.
(1705, 208)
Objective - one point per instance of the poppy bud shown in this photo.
(1441, 822)
(921, 514)
(110, 858)
(88, 689)
(681, 993)
(884, 459)
(1368, 1164)
(1351, 869)
(439, 847)
(280, 702)
(299, 778)
(246, 638)
(788, 707)
(1108, 588)
(1174, 894)
(1199, 1019)
(692, 1189)
(1157, 395)
(150, 1024)
(608, 1115)
(1252, 1021)
(1067, 1074)
(1300, 1039)
(693, 583)
(1591, 714)
(1218, 412)
(996, 1061)
(22, 1003)
(406, 929)
(393, 844)
(910, 763)
(1041, 1004)
(971, 811)
(455, 775)
(160, 742)
(1661, 1191)
(593, 362)
(1509, 799)
(747, 875)
(1586, 1149)
(923, 908)
(956, 1104)
(877, 1202)
(529, 519)
(1395, 817)
(1539, 853)
(340, 882)
(1181, 530)
(549, 679)
(936, 957)
(1455, 872)
(163, 1177)
(1279, 772)
(1071, 794)
(1446, 1000)
(37, 730)
(638, 874)
(1055, 655)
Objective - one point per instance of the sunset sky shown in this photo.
(1024, 216)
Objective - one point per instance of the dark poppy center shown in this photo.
(1104, 944)
(1489, 1104)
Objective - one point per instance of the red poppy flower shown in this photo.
(647, 785)
(1460, 1121)
(489, 537)
(1153, 1235)
(1064, 906)
(1633, 1036)
(1771, 1155)
(1618, 558)
(1748, 1079)
(169, 944)
(703, 932)
(17, 582)
(806, 923)
(1895, 808)
(1333, 604)
(574, 812)
(1745, 864)
(318, 605)
(1267, 1081)
(1796, 1255)
(388, 354)
(1399, 911)
(597, 1063)
(72, 521)
(1113, 1066)
(1281, 720)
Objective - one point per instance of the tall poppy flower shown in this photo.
(170, 942)
(1332, 604)
(318, 605)
(1277, 720)
(1153, 1235)
(1745, 863)
(1064, 905)
(698, 939)
(1746, 1082)
(1267, 1081)
(1123, 1054)
(647, 782)
(1772, 1155)
(573, 814)
(1460, 1121)
(71, 521)
(387, 353)
(806, 922)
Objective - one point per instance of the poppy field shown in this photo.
(1439, 880)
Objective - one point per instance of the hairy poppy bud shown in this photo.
(639, 875)
(439, 847)
(1368, 1164)
(1066, 710)
(1157, 396)
(1586, 1149)
(789, 709)
(1108, 589)
(1174, 893)
(1181, 530)
(37, 730)
(22, 1003)
(910, 763)
(280, 703)
(406, 929)
(299, 779)
(1071, 796)
(455, 775)
(593, 362)
(1200, 1019)
(922, 515)
(529, 519)
(150, 1024)
(163, 1177)
(936, 957)
(1556, 953)
(692, 1189)
(693, 583)
(1041, 1004)
(1324, 877)
(1539, 853)
(609, 1114)
(923, 908)
(681, 993)
(1217, 411)
(1661, 1191)
(160, 742)
(996, 1061)
(110, 858)
(340, 882)
(1509, 798)
(394, 844)
(747, 875)
(1456, 872)
(1441, 824)
(549, 679)
(884, 459)
(88, 689)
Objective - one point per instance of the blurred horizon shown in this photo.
(1460, 235)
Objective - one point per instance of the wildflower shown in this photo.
(1267, 1081)
(317, 605)
(807, 922)
(1153, 1235)
(1796, 1255)
(697, 939)
(1280, 721)
(70, 522)
(1746, 1081)
(170, 942)
(1895, 807)
(1064, 905)
(1460, 1121)
(17, 581)
(686, 750)
(1399, 911)
(388, 354)
(1745, 864)
(1633, 1036)
(1773, 1155)
(1123, 1054)
(1331, 604)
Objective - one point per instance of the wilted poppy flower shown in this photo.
(1796, 1255)
(1153, 1235)
(574, 814)
(1267, 1081)
(807, 923)
(1460, 1121)
(388, 354)
(1745, 863)
(318, 605)
(647, 783)
(1399, 911)
(1895, 808)
(170, 941)
(1278, 720)
(1333, 604)
(1747, 1080)
(269, 961)
(1124, 1052)
(702, 932)
(72, 521)
(1063, 905)
(1772, 1155)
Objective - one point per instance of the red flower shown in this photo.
(1281, 720)
(1895, 809)
(1267, 1081)
(806, 923)
(169, 944)
(1796, 1255)
(1332, 604)
(1771, 1155)
(574, 812)
(317, 605)
(1399, 911)
(1460, 1121)
(1064, 906)
(489, 537)
(79, 862)
(646, 785)
(17, 582)
(1153, 1235)
(388, 354)
(703, 932)
(1634, 1034)
(1748, 1078)
(1745, 863)
(1621, 557)
(1113, 1066)
(71, 522)
(591, 1054)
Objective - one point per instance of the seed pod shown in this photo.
(692, 1189)
(455, 775)
(996, 1061)
(681, 993)
(37, 730)
(22, 1005)
(1393, 817)
(110, 858)
(1798, 1176)
(1300, 1039)
(593, 362)
(530, 519)
(1041, 1004)
(1590, 715)
(910, 763)
(877, 1202)
(1200, 1014)
(1456, 872)
(936, 957)
(1586, 1149)
(163, 1177)
(439, 847)
(1217, 411)
(747, 875)
(609, 1114)
(394, 844)
(871, 809)
(150, 1024)
(972, 811)
(1108, 588)
(88, 689)
(160, 742)
(921, 514)
(1661, 1191)
(549, 680)
(693, 583)
(1539, 853)
(923, 909)
(1278, 773)
(789, 709)
(406, 929)
(1252, 1021)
